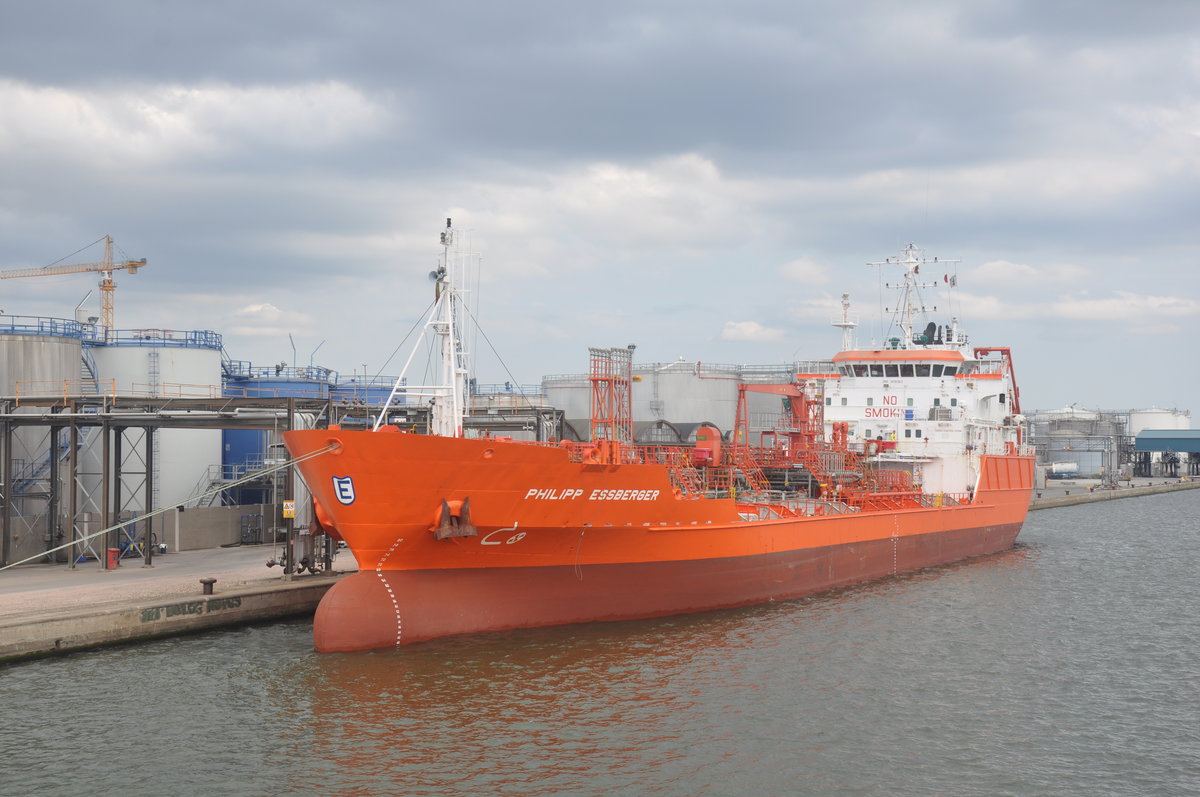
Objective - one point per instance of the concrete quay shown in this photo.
(49, 609)
(1070, 492)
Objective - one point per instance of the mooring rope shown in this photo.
(148, 515)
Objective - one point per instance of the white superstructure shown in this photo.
(926, 402)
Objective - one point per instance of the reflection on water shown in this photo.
(1066, 665)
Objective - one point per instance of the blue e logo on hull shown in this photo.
(343, 488)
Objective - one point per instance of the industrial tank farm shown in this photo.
(1101, 443)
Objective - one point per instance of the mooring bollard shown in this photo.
(208, 582)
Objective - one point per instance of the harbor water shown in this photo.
(1068, 665)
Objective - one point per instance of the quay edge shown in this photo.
(1079, 494)
(68, 629)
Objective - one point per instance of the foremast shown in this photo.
(448, 321)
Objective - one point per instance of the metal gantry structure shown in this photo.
(124, 430)
(612, 408)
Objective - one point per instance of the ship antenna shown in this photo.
(910, 302)
(847, 326)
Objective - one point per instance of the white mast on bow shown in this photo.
(449, 321)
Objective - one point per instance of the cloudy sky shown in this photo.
(701, 179)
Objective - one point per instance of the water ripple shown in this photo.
(1064, 666)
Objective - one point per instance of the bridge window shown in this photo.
(950, 370)
(922, 369)
(860, 369)
(891, 369)
(937, 369)
(876, 369)
(906, 369)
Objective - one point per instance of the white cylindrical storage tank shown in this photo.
(39, 357)
(571, 393)
(1069, 421)
(1155, 418)
(686, 393)
(33, 362)
(696, 392)
(170, 363)
(682, 392)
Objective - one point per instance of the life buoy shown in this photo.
(872, 448)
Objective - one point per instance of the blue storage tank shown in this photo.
(244, 451)
(243, 380)
(372, 391)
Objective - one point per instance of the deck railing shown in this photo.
(27, 389)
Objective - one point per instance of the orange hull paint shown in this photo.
(555, 541)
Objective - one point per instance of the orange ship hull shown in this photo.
(548, 541)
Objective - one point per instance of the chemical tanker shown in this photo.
(883, 461)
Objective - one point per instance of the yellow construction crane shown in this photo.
(106, 267)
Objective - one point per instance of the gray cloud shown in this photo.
(648, 168)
